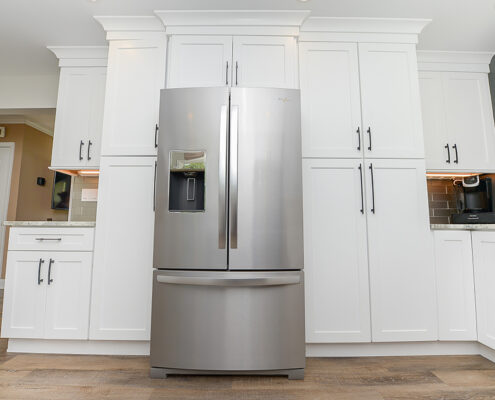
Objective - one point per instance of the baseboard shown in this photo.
(99, 347)
(2, 284)
(487, 352)
(391, 349)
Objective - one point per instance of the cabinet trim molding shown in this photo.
(454, 61)
(80, 56)
(130, 23)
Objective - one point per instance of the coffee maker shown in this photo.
(475, 201)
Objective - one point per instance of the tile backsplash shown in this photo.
(441, 200)
(82, 210)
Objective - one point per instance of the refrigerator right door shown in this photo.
(265, 213)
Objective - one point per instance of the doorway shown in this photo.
(6, 163)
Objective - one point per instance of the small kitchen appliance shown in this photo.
(475, 201)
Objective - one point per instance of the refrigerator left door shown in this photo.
(191, 179)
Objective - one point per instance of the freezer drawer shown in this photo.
(228, 321)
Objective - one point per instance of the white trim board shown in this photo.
(80, 56)
(454, 61)
(3, 213)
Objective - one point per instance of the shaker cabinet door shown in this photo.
(199, 61)
(122, 268)
(25, 294)
(391, 107)
(136, 74)
(401, 259)
(336, 261)
(93, 147)
(330, 100)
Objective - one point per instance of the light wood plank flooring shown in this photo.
(55, 377)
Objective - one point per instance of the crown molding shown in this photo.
(455, 61)
(283, 22)
(20, 119)
(127, 23)
(80, 56)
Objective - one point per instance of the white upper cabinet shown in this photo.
(330, 100)
(136, 74)
(336, 261)
(391, 108)
(457, 111)
(199, 61)
(455, 285)
(79, 117)
(484, 275)
(264, 61)
(248, 61)
(402, 273)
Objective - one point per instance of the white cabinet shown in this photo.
(484, 275)
(199, 61)
(330, 100)
(79, 118)
(458, 120)
(455, 285)
(47, 295)
(336, 264)
(390, 101)
(122, 273)
(400, 245)
(136, 73)
(247, 61)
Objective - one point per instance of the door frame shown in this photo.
(3, 213)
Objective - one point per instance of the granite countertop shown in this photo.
(463, 227)
(47, 224)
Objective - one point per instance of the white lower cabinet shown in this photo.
(47, 295)
(455, 285)
(122, 272)
(400, 246)
(484, 274)
(336, 261)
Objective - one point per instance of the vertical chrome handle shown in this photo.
(236, 72)
(369, 135)
(361, 186)
(456, 161)
(234, 179)
(358, 131)
(372, 190)
(222, 180)
(156, 136)
(50, 280)
(39, 271)
(227, 74)
(154, 187)
(89, 148)
(81, 144)
(448, 153)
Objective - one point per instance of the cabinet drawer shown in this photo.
(59, 239)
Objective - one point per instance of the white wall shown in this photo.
(28, 91)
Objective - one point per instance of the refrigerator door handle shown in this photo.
(222, 180)
(293, 279)
(234, 137)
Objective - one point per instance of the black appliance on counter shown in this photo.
(475, 201)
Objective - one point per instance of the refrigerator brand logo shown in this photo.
(284, 99)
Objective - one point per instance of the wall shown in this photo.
(29, 91)
(82, 210)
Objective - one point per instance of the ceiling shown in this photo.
(28, 26)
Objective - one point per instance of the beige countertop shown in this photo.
(47, 224)
(463, 227)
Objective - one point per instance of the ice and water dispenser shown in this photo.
(187, 181)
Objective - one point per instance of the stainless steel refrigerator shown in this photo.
(228, 292)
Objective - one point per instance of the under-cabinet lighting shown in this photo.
(88, 172)
(450, 174)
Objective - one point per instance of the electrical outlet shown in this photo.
(2, 131)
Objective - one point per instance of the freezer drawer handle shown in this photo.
(238, 282)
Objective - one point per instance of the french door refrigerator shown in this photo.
(228, 294)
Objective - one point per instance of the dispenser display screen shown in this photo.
(187, 181)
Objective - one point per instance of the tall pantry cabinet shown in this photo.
(368, 249)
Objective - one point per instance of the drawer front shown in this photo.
(58, 239)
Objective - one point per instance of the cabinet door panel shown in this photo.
(199, 61)
(122, 270)
(330, 100)
(93, 149)
(455, 285)
(72, 121)
(136, 73)
(402, 274)
(390, 100)
(268, 61)
(336, 264)
(24, 298)
(68, 295)
(484, 275)
(469, 120)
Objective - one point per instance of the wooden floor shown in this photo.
(54, 377)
